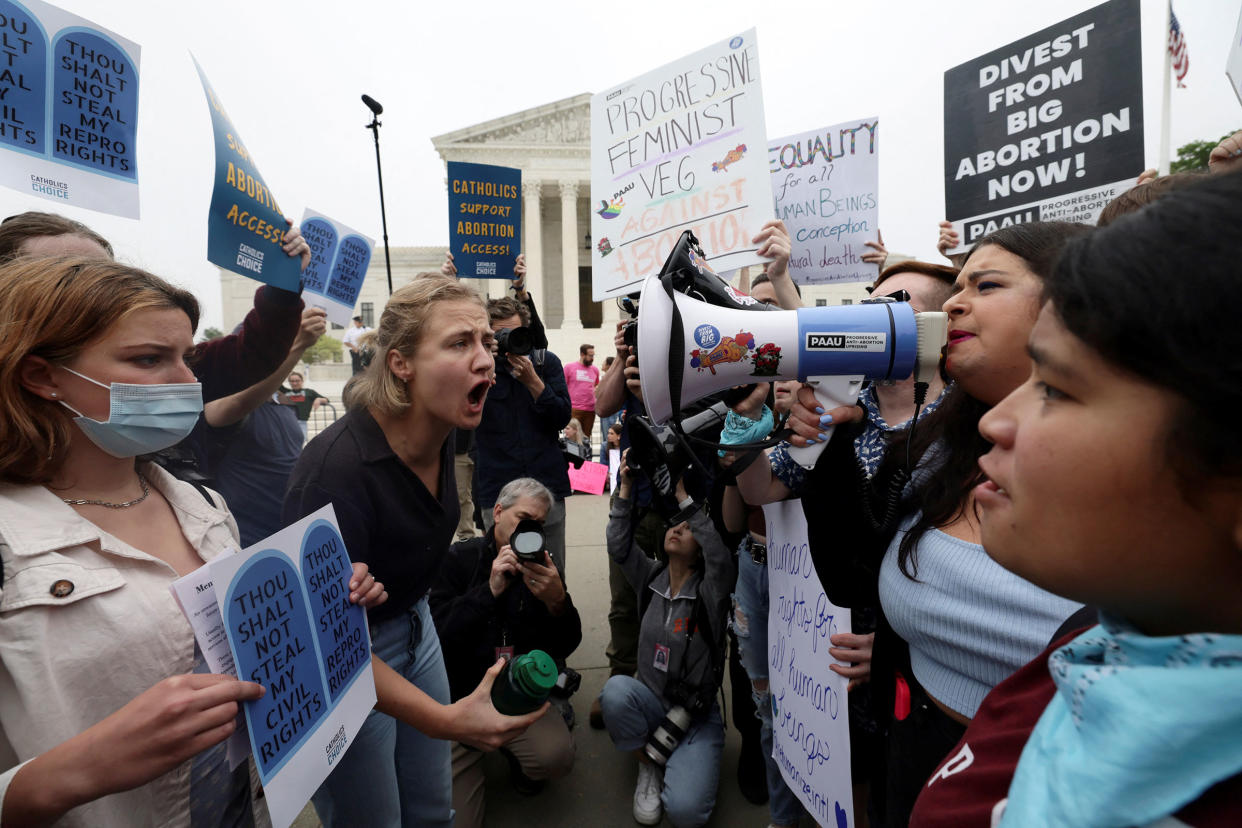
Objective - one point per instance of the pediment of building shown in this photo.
(565, 123)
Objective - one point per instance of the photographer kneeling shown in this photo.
(491, 600)
(668, 713)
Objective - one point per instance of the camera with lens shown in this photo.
(688, 703)
(527, 541)
(573, 453)
(629, 332)
(517, 341)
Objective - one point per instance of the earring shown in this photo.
(53, 395)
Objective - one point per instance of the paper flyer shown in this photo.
(340, 256)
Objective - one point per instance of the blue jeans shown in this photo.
(750, 625)
(393, 776)
(631, 712)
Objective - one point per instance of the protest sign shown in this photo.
(589, 478)
(1047, 128)
(68, 109)
(245, 225)
(824, 185)
(810, 709)
(339, 260)
(1233, 62)
(679, 148)
(291, 627)
(485, 219)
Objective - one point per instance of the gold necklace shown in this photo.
(142, 481)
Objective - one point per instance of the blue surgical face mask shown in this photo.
(142, 418)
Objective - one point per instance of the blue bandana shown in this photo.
(871, 445)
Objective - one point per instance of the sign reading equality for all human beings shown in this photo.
(681, 147)
(340, 256)
(810, 709)
(485, 219)
(285, 607)
(825, 185)
(245, 225)
(68, 109)
(1048, 128)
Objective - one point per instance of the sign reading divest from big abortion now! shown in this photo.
(291, 627)
(68, 109)
(245, 225)
(682, 147)
(485, 219)
(825, 184)
(810, 710)
(1048, 128)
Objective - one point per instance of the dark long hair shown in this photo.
(953, 428)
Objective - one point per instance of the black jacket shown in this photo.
(472, 623)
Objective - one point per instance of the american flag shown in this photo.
(1177, 49)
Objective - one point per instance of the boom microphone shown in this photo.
(373, 105)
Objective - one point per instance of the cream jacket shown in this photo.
(84, 632)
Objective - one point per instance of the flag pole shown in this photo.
(1167, 60)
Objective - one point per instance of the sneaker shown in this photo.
(648, 809)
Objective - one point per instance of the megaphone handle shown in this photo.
(832, 392)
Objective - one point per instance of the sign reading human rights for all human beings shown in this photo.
(681, 147)
(485, 219)
(245, 225)
(1047, 128)
(810, 709)
(291, 628)
(825, 186)
(339, 259)
(68, 109)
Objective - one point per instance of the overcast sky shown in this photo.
(290, 75)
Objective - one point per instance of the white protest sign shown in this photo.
(679, 148)
(810, 710)
(291, 627)
(1233, 62)
(825, 185)
(68, 109)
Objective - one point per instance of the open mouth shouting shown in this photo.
(476, 396)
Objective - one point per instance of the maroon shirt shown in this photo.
(228, 364)
(965, 789)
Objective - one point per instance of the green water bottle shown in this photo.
(524, 683)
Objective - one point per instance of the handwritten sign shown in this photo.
(680, 147)
(1233, 61)
(1047, 128)
(485, 219)
(68, 109)
(825, 184)
(291, 628)
(339, 260)
(810, 711)
(590, 478)
(245, 225)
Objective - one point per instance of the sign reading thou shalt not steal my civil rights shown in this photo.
(681, 147)
(68, 109)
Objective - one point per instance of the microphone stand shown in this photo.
(374, 127)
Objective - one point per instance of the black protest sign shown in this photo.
(1049, 127)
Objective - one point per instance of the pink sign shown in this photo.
(590, 478)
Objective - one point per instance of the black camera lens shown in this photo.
(630, 334)
(527, 541)
(516, 341)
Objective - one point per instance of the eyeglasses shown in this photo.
(897, 296)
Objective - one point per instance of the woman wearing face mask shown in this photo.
(107, 712)
(1115, 478)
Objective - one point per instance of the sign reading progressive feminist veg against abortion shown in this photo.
(339, 260)
(68, 109)
(810, 718)
(681, 147)
(1048, 128)
(245, 225)
(824, 184)
(291, 627)
(485, 219)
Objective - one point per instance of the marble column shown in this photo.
(532, 228)
(569, 255)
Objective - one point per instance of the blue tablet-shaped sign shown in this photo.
(485, 219)
(94, 104)
(322, 237)
(23, 80)
(339, 625)
(269, 624)
(349, 269)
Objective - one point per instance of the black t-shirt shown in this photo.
(303, 401)
(388, 519)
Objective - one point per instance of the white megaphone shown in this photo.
(834, 349)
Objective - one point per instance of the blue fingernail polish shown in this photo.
(825, 420)
(819, 410)
(823, 438)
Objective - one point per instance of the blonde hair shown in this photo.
(54, 308)
(401, 328)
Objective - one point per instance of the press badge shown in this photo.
(661, 658)
(504, 652)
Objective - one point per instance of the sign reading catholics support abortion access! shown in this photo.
(485, 219)
(68, 109)
(825, 185)
(291, 627)
(1048, 128)
(681, 147)
(339, 260)
(810, 709)
(244, 223)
